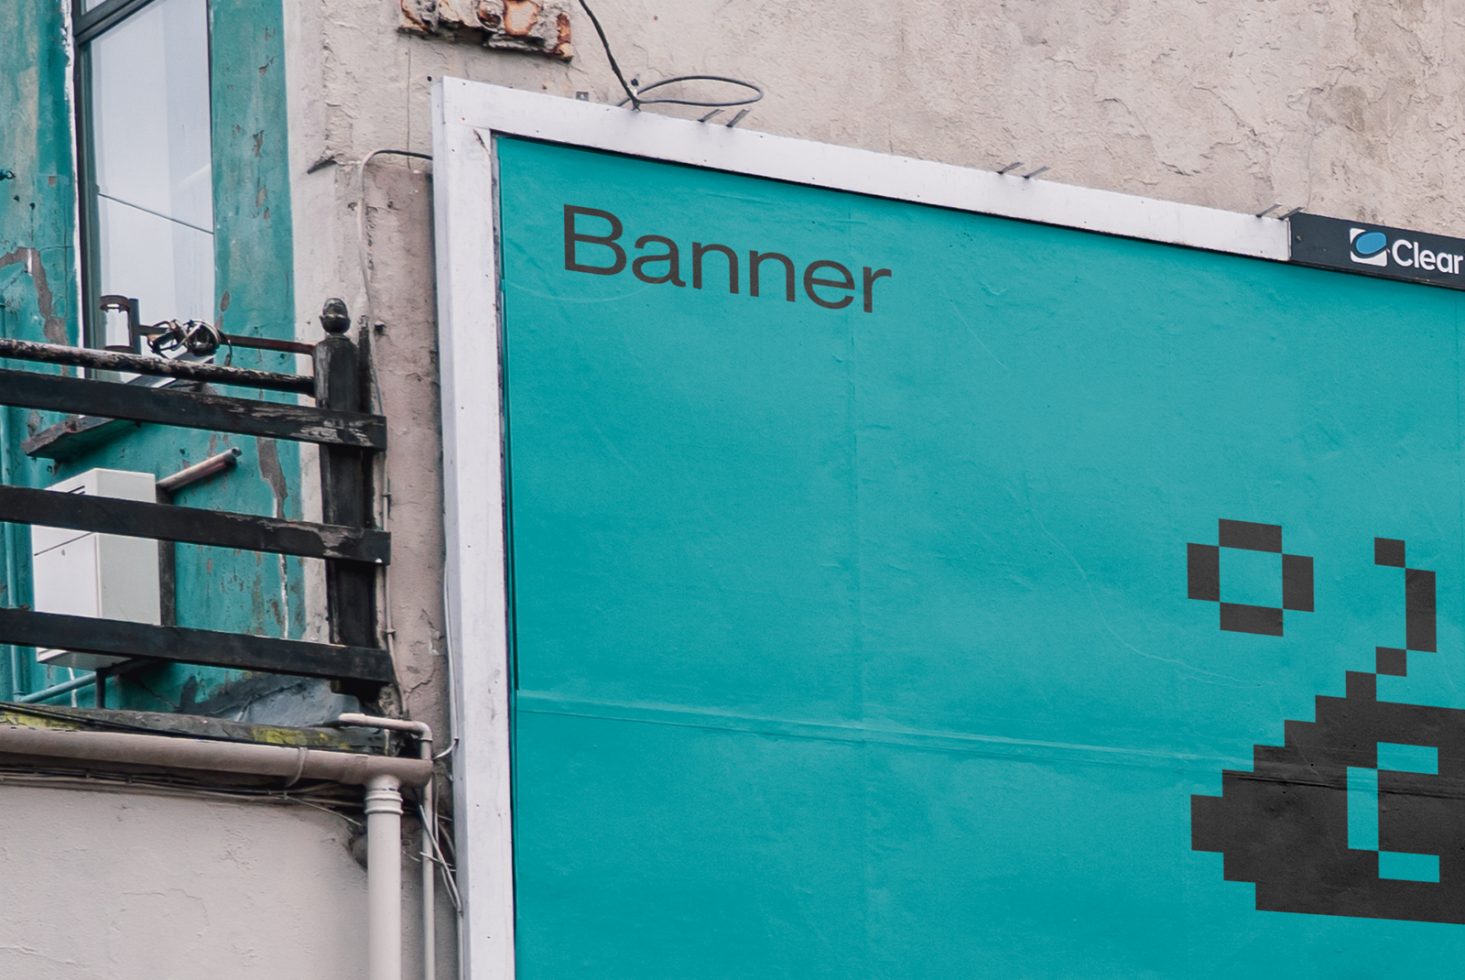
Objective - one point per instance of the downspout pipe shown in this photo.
(384, 877)
(423, 733)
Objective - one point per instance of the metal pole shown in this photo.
(190, 475)
(7, 541)
(25, 350)
(55, 690)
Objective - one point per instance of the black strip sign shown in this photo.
(1377, 250)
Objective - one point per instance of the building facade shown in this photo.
(242, 163)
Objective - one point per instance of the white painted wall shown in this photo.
(110, 886)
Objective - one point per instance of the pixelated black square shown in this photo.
(1203, 571)
(1388, 551)
(1360, 685)
(1266, 620)
(1392, 662)
(1297, 583)
(1250, 536)
(1419, 609)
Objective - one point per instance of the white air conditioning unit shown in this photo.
(106, 576)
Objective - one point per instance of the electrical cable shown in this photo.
(754, 87)
(383, 480)
(631, 95)
(315, 797)
(453, 724)
(635, 93)
(447, 872)
(362, 248)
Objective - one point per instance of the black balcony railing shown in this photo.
(352, 548)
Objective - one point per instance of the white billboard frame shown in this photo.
(467, 118)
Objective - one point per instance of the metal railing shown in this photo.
(353, 550)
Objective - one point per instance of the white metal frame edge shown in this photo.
(466, 118)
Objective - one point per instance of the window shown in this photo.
(144, 125)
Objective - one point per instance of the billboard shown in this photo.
(887, 588)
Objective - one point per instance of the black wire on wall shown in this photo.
(634, 94)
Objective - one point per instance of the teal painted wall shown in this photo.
(37, 258)
(216, 589)
(859, 644)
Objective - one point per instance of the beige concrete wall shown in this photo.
(1341, 106)
(112, 886)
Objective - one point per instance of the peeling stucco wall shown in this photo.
(1339, 105)
(511, 25)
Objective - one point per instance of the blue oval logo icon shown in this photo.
(1370, 243)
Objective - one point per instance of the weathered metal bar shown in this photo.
(197, 473)
(345, 483)
(265, 343)
(25, 350)
(192, 646)
(56, 690)
(191, 410)
(193, 525)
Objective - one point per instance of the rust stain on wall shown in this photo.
(273, 474)
(53, 324)
(520, 16)
(536, 26)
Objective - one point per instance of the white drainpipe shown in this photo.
(384, 877)
(423, 734)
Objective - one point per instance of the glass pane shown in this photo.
(168, 266)
(149, 97)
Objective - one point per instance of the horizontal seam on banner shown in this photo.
(930, 740)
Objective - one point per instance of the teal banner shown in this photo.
(907, 593)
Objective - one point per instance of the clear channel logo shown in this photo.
(1373, 248)
(1368, 247)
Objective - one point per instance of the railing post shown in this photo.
(345, 475)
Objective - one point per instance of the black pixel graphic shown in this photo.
(1285, 825)
(1203, 570)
